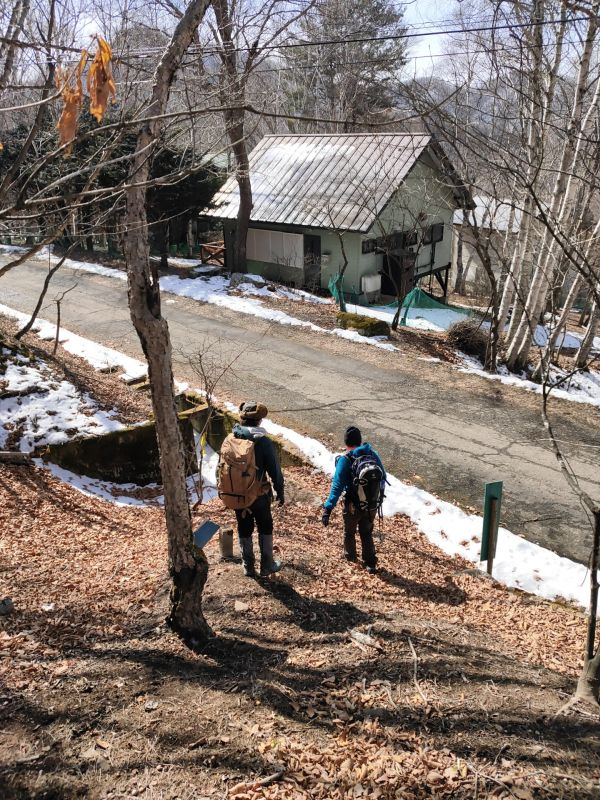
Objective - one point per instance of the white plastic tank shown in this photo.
(370, 286)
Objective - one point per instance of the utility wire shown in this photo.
(322, 42)
(319, 66)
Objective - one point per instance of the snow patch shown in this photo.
(121, 494)
(49, 411)
(97, 355)
(424, 319)
(583, 387)
(214, 290)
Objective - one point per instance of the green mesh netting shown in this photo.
(417, 298)
(350, 295)
(333, 289)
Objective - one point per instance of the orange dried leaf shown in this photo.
(72, 95)
(101, 84)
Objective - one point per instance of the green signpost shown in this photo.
(491, 522)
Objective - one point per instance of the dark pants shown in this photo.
(364, 521)
(258, 514)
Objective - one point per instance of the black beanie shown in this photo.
(352, 437)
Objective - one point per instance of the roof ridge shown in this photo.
(330, 135)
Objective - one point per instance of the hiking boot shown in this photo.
(351, 559)
(372, 570)
(247, 551)
(268, 565)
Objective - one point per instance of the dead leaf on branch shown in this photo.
(72, 96)
(101, 84)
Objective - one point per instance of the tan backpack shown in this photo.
(237, 478)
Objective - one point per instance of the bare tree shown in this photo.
(588, 686)
(525, 129)
(188, 567)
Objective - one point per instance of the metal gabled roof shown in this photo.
(340, 181)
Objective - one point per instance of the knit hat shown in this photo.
(251, 411)
(352, 437)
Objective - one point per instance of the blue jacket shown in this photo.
(342, 479)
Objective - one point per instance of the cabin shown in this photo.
(377, 207)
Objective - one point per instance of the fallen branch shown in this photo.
(415, 668)
(242, 788)
(15, 457)
(365, 640)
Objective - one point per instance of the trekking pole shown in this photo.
(380, 515)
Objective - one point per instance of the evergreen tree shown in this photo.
(188, 186)
(352, 76)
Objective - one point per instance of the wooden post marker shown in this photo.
(491, 522)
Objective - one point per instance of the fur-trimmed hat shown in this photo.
(251, 411)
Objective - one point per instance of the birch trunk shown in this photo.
(188, 568)
(583, 354)
(588, 686)
(515, 271)
(560, 204)
(559, 325)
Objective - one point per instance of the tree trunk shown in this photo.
(583, 354)
(559, 325)
(19, 14)
(588, 686)
(459, 284)
(339, 284)
(491, 355)
(233, 92)
(188, 567)
(512, 284)
(242, 175)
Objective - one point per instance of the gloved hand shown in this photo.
(325, 517)
(280, 499)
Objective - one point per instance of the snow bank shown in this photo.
(581, 388)
(214, 290)
(96, 355)
(92, 487)
(438, 320)
(122, 494)
(49, 411)
(424, 319)
(12, 248)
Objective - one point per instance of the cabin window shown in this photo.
(368, 246)
(433, 234)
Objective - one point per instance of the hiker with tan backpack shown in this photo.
(247, 460)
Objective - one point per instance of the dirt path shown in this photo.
(435, 427)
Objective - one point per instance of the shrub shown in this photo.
(468, 336)
(364, 325)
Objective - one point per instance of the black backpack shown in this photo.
(367, 482)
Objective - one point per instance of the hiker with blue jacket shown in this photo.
(360, 477)
(247, 461)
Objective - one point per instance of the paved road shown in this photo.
(434, 426)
